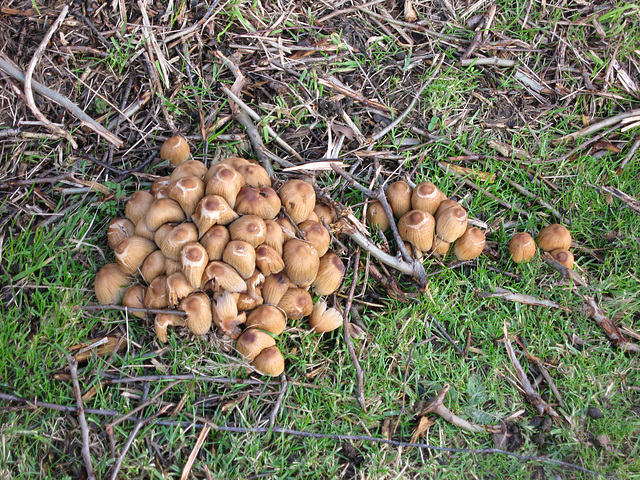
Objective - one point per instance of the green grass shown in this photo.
(46, 274)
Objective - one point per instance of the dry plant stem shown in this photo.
(139, 423)
(168, 311)
(531, 395)
(537, 199)
(594, 312)
(86, 454)
(493, 61)
(397, 121)
(630, 155)
(346, 330)
(188, 376)
(382, 198)
(447, 336)
(546, 375)
(33, 404)
(87, 121)
(140, 407)
(194, 453)
(598, 126)
(273, 416)
(436, 406)
(629, 201)
(28, 77)
(498, 292)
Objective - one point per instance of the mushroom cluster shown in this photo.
(221, 245)
(555, 239)
(428, 221)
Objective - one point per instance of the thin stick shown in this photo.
(273, 416)
(187, 376)
(122, 308)
(494, 61)
(498, 292)
(598, 126)
(86, 453)
(396, 122)
(86, 120)
(346, 330)
(447, 336)
(630, 155)
(124, 417)
(594, 312)
(537, 199)
(194, 453)
(32, 404)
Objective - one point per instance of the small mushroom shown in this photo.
(163, 321)
(565, 257)
(298, 199)
(215, 240)
(175, 149)
(268, 318)
(141, 230)
(153, 266)
(323, 319)
(274, 287)
(330, 273)
(134, 298)
(197, 306)
(212, 210)
(439, 246)
(249, 228)
(118, 230)
(325, 212)
(377, 217)
(252, 342)
(187, 169)
(163, 210)
(287, 228)
(241, 256)
(178, 287)
(156, 296)
(262, 203)
(452, 224)
(158, 184)
(268, 260)
(254, 175)
(131, 252)
(470, 245)
(193, 261)
(225, 315)
(301, 261)
(316, 234)
(426, 196)
(269, 362)
(399, 197)
(223, 180)
(296, 303)
(138, 205)
(187, 191)
(417, 227)
(110, 284)
(522, 247)
(554, 237)
(218, 276)
(176, 239)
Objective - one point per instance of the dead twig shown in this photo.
(140, 407)
(608, 122)
(447, 336)
(530, 394)
(436, 406)
(86, 453)
(537, 199)
(273, 416)
(567, 273)
(520, 298)
(122, 308)
(593, 311)
(33, 404)
(629, 201)
(630, 156)
(194, 453)
(347, 330)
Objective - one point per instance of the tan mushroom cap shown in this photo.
(399, 197)
(197, 306)
(330, 274)
(193, 261)
(118, 230)
(252, 342)
(269, 318)
(296, 303)
(137, 205)
(131, 252)
(161, 211)
(254, 175)
(212, 210)
(426, 196)
(163, 321)
(301, 261)
(439, 246)
(417, 227)
(452, 223)
(156, 296)
(268, 261)
(174, 241)
(153, 266)
(158, 184)
(187, 191)
(219, 276)
(377, 217)
(178, 287)
(325, 212)
(275, 236)
(323, 319)
(187, 169)
(249, 228)
(263, 203)
(274, 287)
(241, 256)
(215, 240)
(470, 245)
(269, 362)
(564, 257)
(317, 235)
(224, 180)
(175, 149)
(554, 237)
(522, 247)
(298, 199)
(110, 284)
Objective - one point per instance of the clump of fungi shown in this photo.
(428, 222)
(555, 239)
(222, 246)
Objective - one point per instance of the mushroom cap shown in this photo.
(212, 210)
(214, 240)
(446, 204)
(269, 362)
(137, 205)
(452, 223)
(163, 321)
(296, 303)
(252, 342)
(161, 234)
(131, 252)
(274, 287)
(224, 307)
(153, 266)
(554, 237)
(275, 236)
(323, 319)
(470, 245)
(287, 228)
(254, 175)
(377, 217)
(241, 256)
(175, 240)
(236, 162)
(134, 298)
(189, 168)
(171, 266)
(417, 227)
(156, 296)
(187, 191)
(317, 235)
(262, 203)
(158, 184)
(224, 180)
(110, 284)
(178, 287)
(301, 261)
(426, 196)
(330, 274)
(118, 230)
(161, 211)
(193, 261)
(175, 149)
(439, 246)
(141, 230)
(298, 199)
(565, 257)
(250, 229)
(246, 302)
(325, 212)
(197, 306)
(522, 247)
(268, 318)
(219, 276)
(268, 261)
(399, 197)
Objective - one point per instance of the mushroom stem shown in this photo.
(436, 406)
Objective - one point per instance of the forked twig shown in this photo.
(346, 330)
(86, 453)
(593, 311)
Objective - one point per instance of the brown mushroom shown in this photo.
(269, 362)
(197, 306)
(175, 149)
(330, 273)
(522, 247)
(417, 227)
(110, 284)
(301, 261)
(470, 245)
(554, 237)
(399, 197)
(298, 199)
